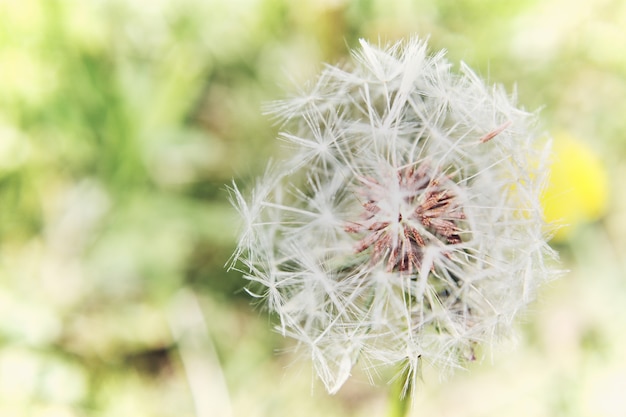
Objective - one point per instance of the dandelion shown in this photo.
(406, 226)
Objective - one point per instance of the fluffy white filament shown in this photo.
(406, 226)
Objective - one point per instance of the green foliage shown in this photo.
(121, 126)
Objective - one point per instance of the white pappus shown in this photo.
(406, 225)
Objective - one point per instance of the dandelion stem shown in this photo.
(400, 394)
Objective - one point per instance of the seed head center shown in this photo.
(403, 215)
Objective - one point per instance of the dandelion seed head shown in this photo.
(405, 228)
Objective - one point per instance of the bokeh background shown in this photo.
(122, 123)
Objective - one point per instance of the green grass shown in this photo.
(121, 127)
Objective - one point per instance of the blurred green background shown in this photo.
(122, 122)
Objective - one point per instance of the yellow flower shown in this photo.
(577, 192)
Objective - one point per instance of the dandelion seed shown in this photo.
(494, 133)
(398, 232)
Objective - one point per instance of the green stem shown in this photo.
(400, 395)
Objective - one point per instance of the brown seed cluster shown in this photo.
(423, 212)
